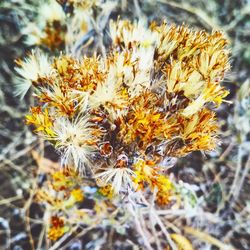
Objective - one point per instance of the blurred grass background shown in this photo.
(223, 176)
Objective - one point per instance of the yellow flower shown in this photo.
(77, 194)
(57, 229)
(41, 120)
(147, 174)
(107, 191)
(165, 188)
(55, 233)
(64, 179)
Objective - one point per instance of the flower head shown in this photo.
(75, 140)
(57, 228)
(119, 178)
(49, 30)
(34, 67)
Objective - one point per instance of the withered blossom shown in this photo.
(49, 30)
(147, 99)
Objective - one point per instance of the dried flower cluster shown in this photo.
(60, 23)
(65, 196)
(122, 119)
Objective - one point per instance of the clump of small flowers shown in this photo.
(68, 199)
(50, 27)
(119, 119)
(56, 229)
(66, 24)
(58, 24)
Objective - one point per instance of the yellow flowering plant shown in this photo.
(121, 119)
